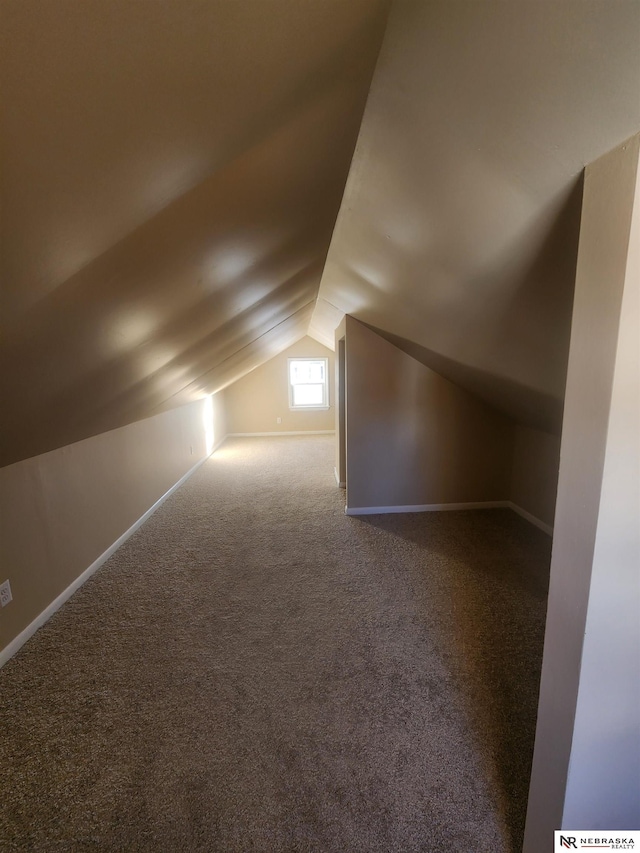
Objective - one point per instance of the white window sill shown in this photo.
(309, 408)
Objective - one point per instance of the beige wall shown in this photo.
(220, 427)
(255, 402)
(534, 475)
(585, 765)
(60, 511)
(341, 406)
(603, 788)
(414, 438)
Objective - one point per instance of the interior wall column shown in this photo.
(586, 765)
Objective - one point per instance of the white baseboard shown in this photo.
(16, 644)
(341, 485)
(547, 528)
(291, 432)
(386, 510)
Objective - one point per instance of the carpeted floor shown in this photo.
(255, 671)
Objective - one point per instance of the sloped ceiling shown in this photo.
(171, 175)
(457, 235)
(172, 171)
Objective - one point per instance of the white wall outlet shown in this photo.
(278, 420)
(5, 594)
(191, 449)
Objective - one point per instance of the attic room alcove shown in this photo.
(440, 197)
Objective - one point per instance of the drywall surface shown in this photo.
(219, 406)
(458, 228)
(413, 437)
(603, 788)
(171, 176)
(534, 475)
(340, 378)
(60, 511)
(255, 402)
(341, 405)
(588, 568)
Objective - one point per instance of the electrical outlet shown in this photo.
(278, 420)
(5, 594)
(191, 449)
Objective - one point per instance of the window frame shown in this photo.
(325, 397)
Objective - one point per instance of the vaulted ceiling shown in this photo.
(457, 236)
(171, 177)
(172, 173)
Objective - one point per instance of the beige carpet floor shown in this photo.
(255, 671)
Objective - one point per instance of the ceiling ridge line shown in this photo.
(228, 358)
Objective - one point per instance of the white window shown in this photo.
(308, 383)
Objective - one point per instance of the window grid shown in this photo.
(308, 383)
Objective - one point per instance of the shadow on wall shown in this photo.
(415, 438)
(513, 399)
(532, 326)
(481, 582)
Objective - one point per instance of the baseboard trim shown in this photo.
(291, 432)
(341, 485)
(387, 510)
(532, 519)
(16, 644)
